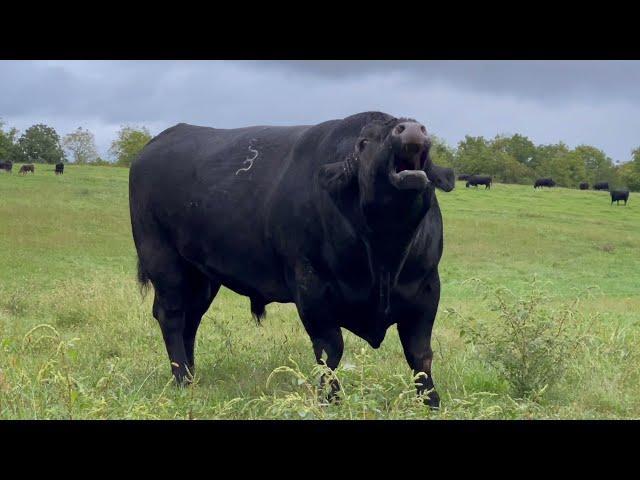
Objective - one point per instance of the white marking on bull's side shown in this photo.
(249, 160)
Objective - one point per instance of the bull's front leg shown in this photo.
(331, 343)
(318, 319)
(415, 336)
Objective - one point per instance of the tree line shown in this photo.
(508, 159)
(516, 159)
(41, 143)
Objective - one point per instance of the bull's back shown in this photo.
(206, 191)
(222, 168)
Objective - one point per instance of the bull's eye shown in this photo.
(362, 144)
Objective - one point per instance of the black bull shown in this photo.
(617, 195)
(544, 182)
(475, 180)
(340, 218)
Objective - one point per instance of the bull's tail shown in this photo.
(258, 311)
(143, 279)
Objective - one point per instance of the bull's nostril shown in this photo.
(399, 129)
(422, 129)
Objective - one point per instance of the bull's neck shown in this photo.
(391, 227)
(392, 224)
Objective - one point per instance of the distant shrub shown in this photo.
(101, 162)
(530, 344)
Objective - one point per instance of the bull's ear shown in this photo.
(442, 177)
(337, 176)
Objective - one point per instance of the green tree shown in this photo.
(512, 171)
(441, 153)
(598, 167)
(126, 147)
(517, 146)
(8, 146)
(629, 173)
(81, 146)
(40, 144)
(473, 156)
(560, 163)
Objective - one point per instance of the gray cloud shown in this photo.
(578, 102)
(540, 80)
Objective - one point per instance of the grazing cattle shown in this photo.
(59, 168)
(601, 186)
(464, 176)
(617, 195)
(584, 186)
(340, 218)
(7, 166)
(544, 182)
(475, 180)
(24, 169)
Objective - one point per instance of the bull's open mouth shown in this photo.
(407, 171)
(402, 162)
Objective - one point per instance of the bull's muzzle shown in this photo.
(410, 143)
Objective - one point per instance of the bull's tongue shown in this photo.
(410, 180)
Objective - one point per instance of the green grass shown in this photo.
(77, 340)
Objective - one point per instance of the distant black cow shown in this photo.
(544, 182)
(59, 168)
(24, 169)
(463, 177)
(617, 195)
(475, 180)
(6, 166)
(601, 186)
(584, 186)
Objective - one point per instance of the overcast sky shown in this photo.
(592, 102)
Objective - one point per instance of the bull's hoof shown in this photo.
(183, 382)
(183, 378)
(331, 397)
(432, 399)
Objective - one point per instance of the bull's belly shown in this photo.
(246, 270)
(362, 319)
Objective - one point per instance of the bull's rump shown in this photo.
(207, 192)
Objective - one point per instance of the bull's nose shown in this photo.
(411, 134)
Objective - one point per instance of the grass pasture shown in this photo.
(77, 340)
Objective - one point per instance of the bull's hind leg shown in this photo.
(202, 294)
(168, 309)
(182, 295)
(179, 310)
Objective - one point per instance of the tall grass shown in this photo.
(78, 341)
